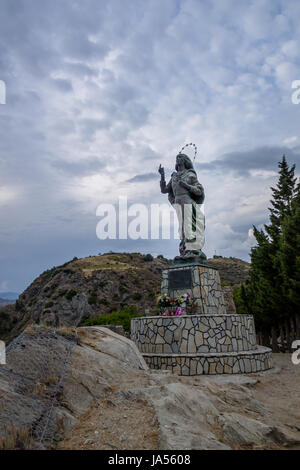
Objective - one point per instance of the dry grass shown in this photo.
(16, 439)
(109, 262)
(67, 331)
(50, 380)
(40, 389)
(32, 329)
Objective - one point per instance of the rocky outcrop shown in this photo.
(89, 388)
(87, 287)
(97, 285)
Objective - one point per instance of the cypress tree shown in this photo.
(266, 295)
(282, 200)
(289, 257)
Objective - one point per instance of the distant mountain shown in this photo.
(233, 271)
(9, 295)
(4, 302)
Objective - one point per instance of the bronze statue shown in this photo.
(186, 195)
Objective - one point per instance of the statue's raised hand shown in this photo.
(161, 170)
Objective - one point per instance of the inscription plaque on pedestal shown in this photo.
(181, 279)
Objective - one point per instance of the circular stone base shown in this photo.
(241, 362)
(194, 334)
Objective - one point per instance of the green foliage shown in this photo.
(148, 257)
(137, 296)
(62, 293)
(20, 306)
(122, 318)
(49, 304)
(123, 289)
(289, 253)
(5, 322)
(273, 293)
(240, 300)
(69, 295)
(102, 284)
(92, 300)
(67, 271)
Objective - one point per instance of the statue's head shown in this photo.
(182, 158)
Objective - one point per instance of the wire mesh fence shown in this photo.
(31, 382)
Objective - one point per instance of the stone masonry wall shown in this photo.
(194, 334)
(205, 289)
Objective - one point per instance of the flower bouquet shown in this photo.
(172, 307)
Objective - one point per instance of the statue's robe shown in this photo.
(188, 206)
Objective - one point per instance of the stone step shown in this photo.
(240, 362)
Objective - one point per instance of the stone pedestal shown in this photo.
(202, 282)
(208, 341)
(200, 344)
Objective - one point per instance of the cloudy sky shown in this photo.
(99, 92)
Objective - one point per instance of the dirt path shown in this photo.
(279, 391)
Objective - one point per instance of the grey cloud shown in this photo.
(77, 45)
(63, 84)
(88, 166)
(64, 126)
(143, 178)
(262, 158)
(90, 126)
(80, 69)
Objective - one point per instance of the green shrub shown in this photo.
(19, 305)
(70, 294)
(67, 271)
(122, 318)
(123, 289)
(148, 257)
(49, 304)
(137, 296)
(92, 300)
(61, 293)
(239, 300)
